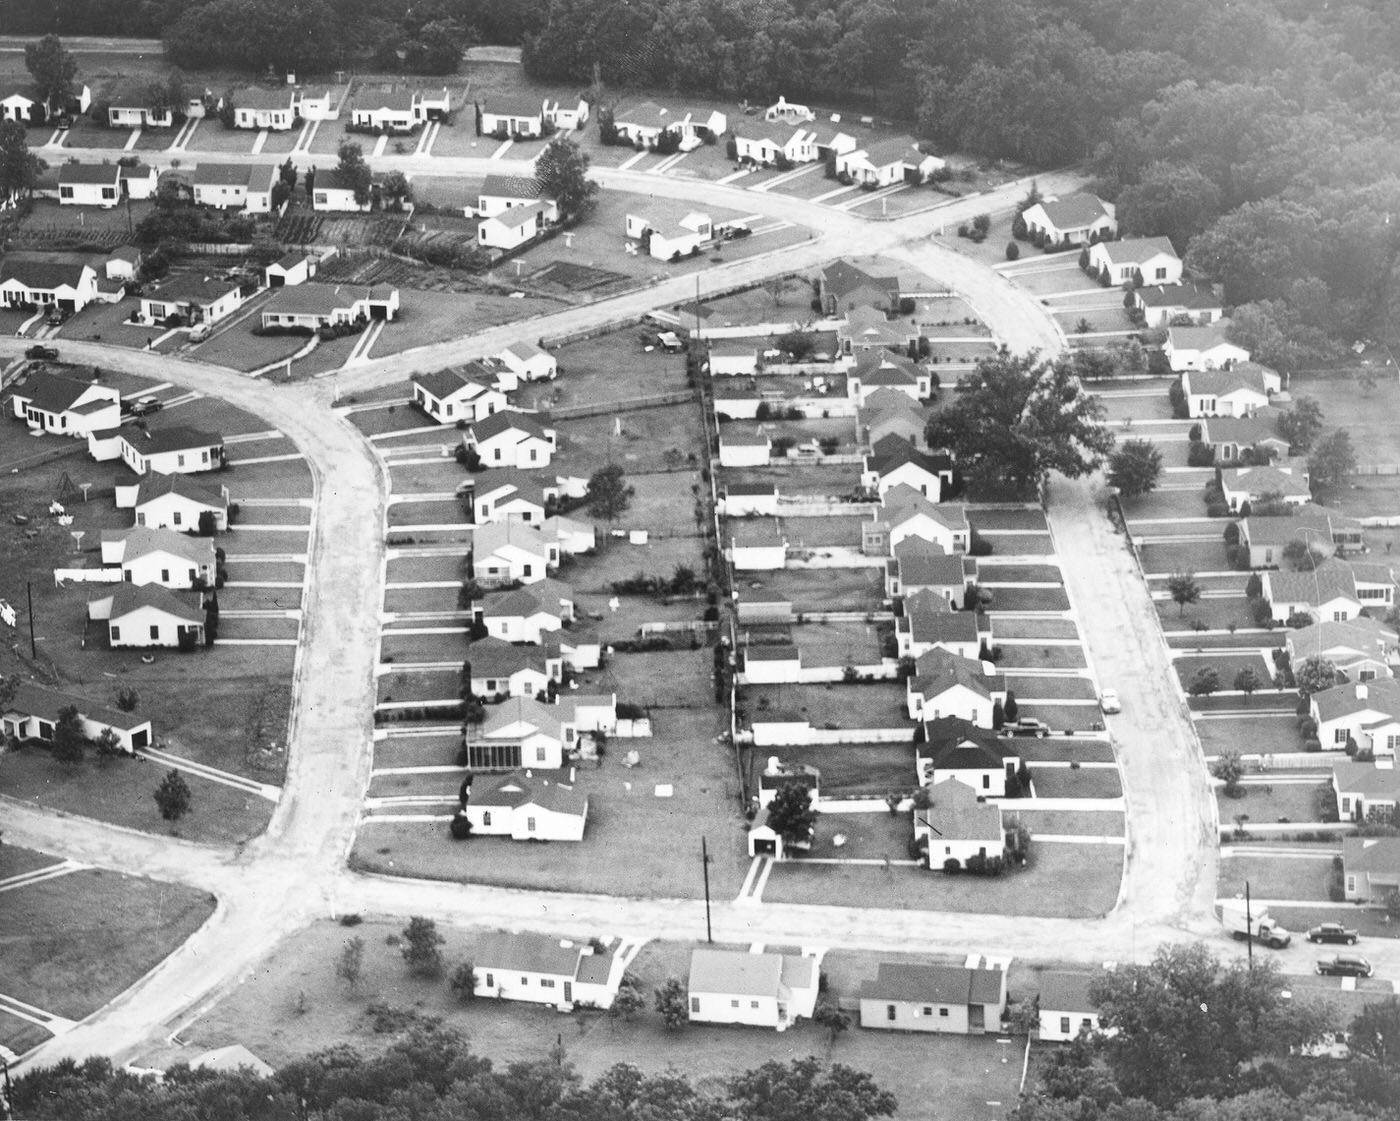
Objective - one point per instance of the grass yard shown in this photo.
(863, 836)
(1039, 657)
(1021, 544)
(1250, 735)
(417, 750)
(1055, 688)
(820, 589)
(75, 942)
(1063, 880)
(1144, 401)
(1279, 877)
(868, 705)
(1226, 665)
(420, 685)
(1058, 749)
(614, 367)
(846, 768)
(798, 479)
(1368, 416)
(1273, 801)
(121, 792)
(622, 806)
(1184, 503)
(434, 317)
(449, 511)
(650, 440)
(838, 644)
(617, 559)
(411, 569)
(989, 575)
(823, 532)
(287, 478)
(107, 323)
(394, 416)
(1036, 628)
(1205, 555)
(1208, 614)
(935, 1078)
(1080, 782)
(1028, 599)
(1063, 718)
(1073, 823)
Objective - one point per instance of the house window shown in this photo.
(539, 758)
(1392, 743)
(155, 630)
(524, 981)
(529, 825)
(1064, 1025)
(116, 633)
(175, 518)
(1366, 675)
(733, 1004)
(546, 982)
(986, 782)
(927, 1010)
(1339, 616)
(527, 569)
(753, 1004)
(486, 818)
(695, 1006)
(1346, 805)
(1339, 735)
(1351, 885)
(1162, 273)
(179, 461)
(890, 1012)
(943, 1012)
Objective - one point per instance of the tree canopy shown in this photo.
(53, 69)
(1026, 419)
(562, 173)
(19, 167)
(1135, 467)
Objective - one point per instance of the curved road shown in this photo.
(295, 873)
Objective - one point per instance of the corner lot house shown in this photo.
(176, 502)
(234, 186)
(1066, 1012)
(526, 808)
(1077, 219)
(171, 451)
(191, 298)
(844, 287)
(1365, 714)
(887, 163)
(510, 229)
(957, 826)
(46, 280)
(159, 556)
(313, 305)
(542, 969)
(67, 406)
(331, 191)
(33, 712)
(1136, 260)
(1241, 390)
(500, 193)
(1370, 868)
(1209, 348)
(449, 396)
(522, 732)
(670, 230)
(955, 999)
(764, 990)
(148, 616)
(1367, 791)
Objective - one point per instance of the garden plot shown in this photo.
(799, 479)
(1302, 873)
(1083, 782)
(1063, 880)
(617, 560)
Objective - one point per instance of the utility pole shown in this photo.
(29, 594)
(1248, 927)
(705, 866)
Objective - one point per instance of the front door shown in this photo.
(568, 992)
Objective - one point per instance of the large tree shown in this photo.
(562, 173)
(1301, 425)
(609, 494)
(1025, 419)
(808, 1090)
(1134, 467)
(69, 743)
(1186, 1025)
(790, 813)
(1315, 674)
(19, 167)
(354, 171)
(1332, 460)
(53, 69)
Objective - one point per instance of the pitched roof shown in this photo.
(903, 502)
(232, 174)
(1064, 990)
(1259, 427)
(443, 384)
(527, 485)
(95, 173)
(315, 298)
(178, 437)
(869, 326)
(1200, 338)
(497, 423)
(1267, 479)
(511, 187)
(55, 393)
(42, 272)
(977, 750)
(45, 703)
(1367, 779)
(261, 97)
(928, 619)
(526, 953)
(927, 984)
(521, 603)
(141, 541)
(1073, 211)
(520, 789)
(127, 598)
(1362, 634)
(1379, 695)
(1332, 578)
(921, 563)
(1371, 854)
(397, 101)
(516, 216)
(524, 351)
(893, 451)
(756, 535)
(494, 536)
(955, 814)
(522, 105)
(157, 486)
(779, 653)
(1286, 528)
(896, 148)
(736, 437)
(1220, 383)
(1134, 250)
(938, 671)
(192, 288)
(737, 973)
(494, 657)
(646, 113)
(735, 490)
(1192, 297)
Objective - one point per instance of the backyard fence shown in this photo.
(631, 404)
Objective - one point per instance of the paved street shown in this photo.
(296, 872)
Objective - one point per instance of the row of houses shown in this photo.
(879, 163)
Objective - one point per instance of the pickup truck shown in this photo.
(42, 353)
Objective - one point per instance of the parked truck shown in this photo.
(1254, 922)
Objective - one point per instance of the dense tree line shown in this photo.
(430, 1074)
(1200, 1041)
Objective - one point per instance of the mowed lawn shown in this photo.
(1279, 877)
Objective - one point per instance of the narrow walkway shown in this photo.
(213, 774)
(39, 875)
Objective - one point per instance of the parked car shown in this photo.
(199, 332)
(145, 405)
(57, 317)
(42, 353)
(1109, 702)
(1344, 965)
(1332, 932)
(1027, 726)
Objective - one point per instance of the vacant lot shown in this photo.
(614, 367)
(1290, 877)
(1250, 735)
(1273, 801)
(75, 942)
(649, 440)
(1082, 782)
(1366, 414)
(820, 589)
(869, 705)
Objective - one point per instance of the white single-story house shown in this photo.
(510, 229)
(174, 502)
(128, 106)
(768, 990)
(518, 616)
(296, 267)
(844, 287)
(770, 665)
(670, 230)
(1362, 649)
(385, 111)
(766, 145)
(930, 621)
(511, 552)
(510, 439)
(887, 163)
(525, 807)
(867, 328)
(741, 448)
(512, 495)
(881, 370)
(529, 363)
(313, 305)
(191, 297)
(170, 451)
(512, 116)
(258, 107)
(1136, 260)
(1161, 303)
(571, 113)
(234, 186)
(1370, 868)
(1328, 593)
(520, 732)
(954, 999)
(543, 969)
(1364, 713)
(1065, 1010)
(907, 513)
(1367, 791)
(894, 463)
(1078, 219)
(1209, 348)
(123, 263)
(89, 184)
(944, 684)
(957, 826)
(148, 616)
(919, 566)
(1323, 531)
(1230, 436)
(733, 357)
(66, 406)
(744, 500)
(1241, 390)
(160, 556)
(64, 282)
(449, 396)
(1286, 480)
(757, 547)
(331, 191)
(33, 712)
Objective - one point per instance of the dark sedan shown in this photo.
(1332, 932)
(1344, 965)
